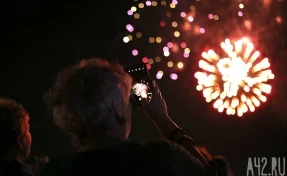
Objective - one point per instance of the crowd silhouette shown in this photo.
(90, 102)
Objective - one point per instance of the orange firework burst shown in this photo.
(237, 82)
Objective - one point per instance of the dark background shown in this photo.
(41, 37)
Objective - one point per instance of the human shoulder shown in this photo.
(17, 168)
(181, 161)
(57, 166)
(167, 146)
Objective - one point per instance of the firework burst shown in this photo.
(237, 80)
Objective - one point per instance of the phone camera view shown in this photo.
(141, 90)
(142, 84)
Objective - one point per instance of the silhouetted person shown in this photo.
(90, 102)
(219, 164)
(15, 139)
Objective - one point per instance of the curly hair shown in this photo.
(89, 98)
(14, 120)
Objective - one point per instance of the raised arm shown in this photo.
(156, 110)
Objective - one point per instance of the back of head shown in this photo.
(218, 163)
(90, 99)
(221, 166)
(14, 122)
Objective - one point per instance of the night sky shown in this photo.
(40, 38)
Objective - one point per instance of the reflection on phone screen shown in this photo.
(140, 90)
(142, 84)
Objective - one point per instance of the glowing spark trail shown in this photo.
(236, 83)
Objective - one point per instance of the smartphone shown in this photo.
(142, 84)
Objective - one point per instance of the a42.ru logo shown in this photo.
(257, 166)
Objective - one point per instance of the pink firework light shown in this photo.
(206, 25)
(162, 42)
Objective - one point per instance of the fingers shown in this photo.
(156, 95)
(144, 102)
(155, 89)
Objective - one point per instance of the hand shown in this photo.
(156, 108)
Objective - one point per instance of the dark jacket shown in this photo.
(157, 158)
(16, 168)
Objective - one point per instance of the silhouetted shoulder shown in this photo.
(57, 166)
(17, 168)
(180, 161)
(154, 158)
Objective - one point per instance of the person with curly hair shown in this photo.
(90, 102)
(15, 139)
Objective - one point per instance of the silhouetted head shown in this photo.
(14, 131)
(90, 101)
(221, 166)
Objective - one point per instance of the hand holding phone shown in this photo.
(142, 84)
